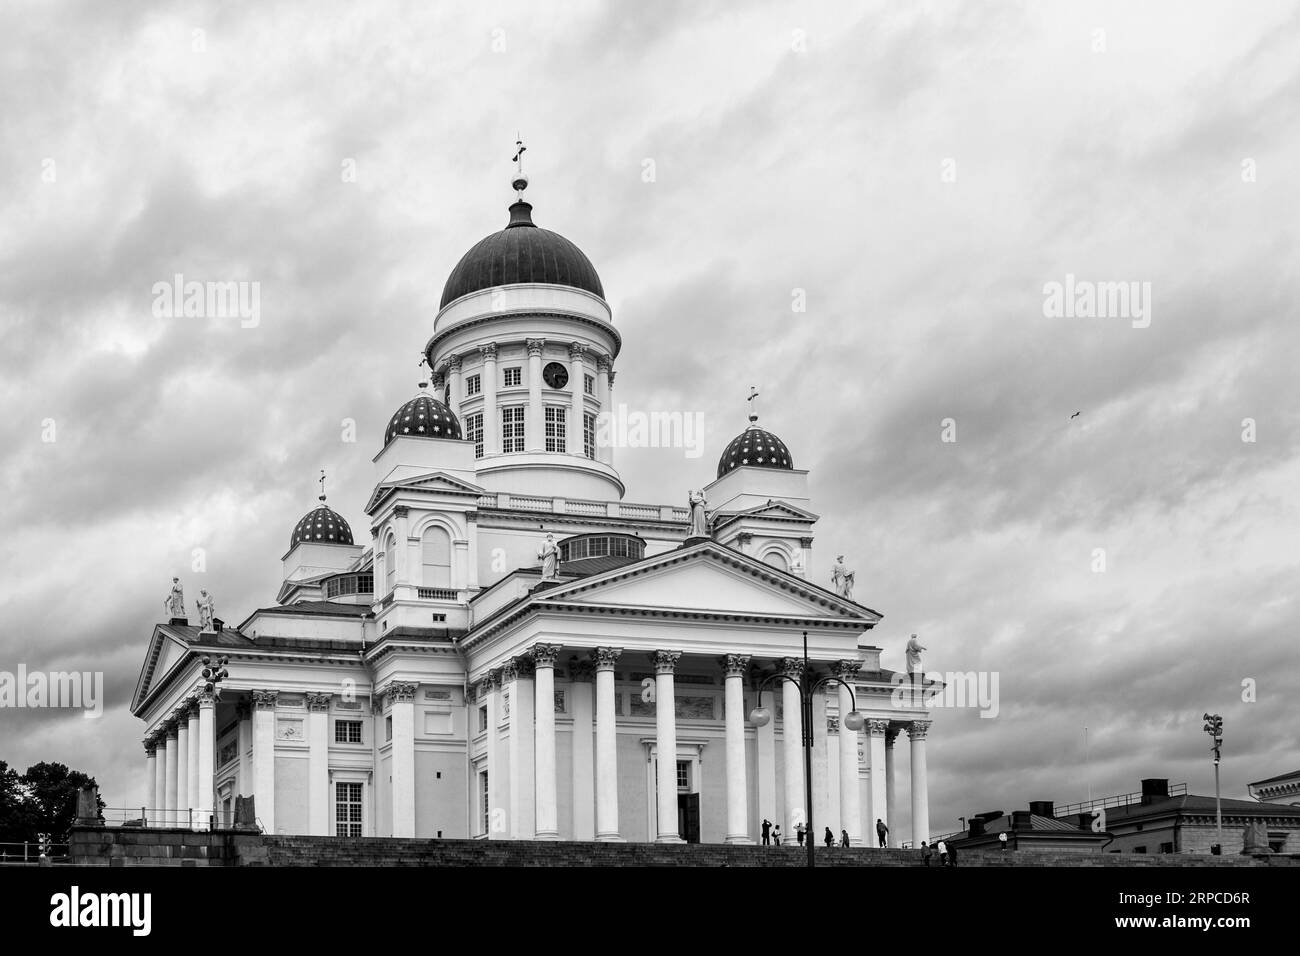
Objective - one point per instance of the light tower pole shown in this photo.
(1214, 727)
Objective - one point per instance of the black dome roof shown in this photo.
(757, 448)
(321, 525)
(521, 252)
(422, 417)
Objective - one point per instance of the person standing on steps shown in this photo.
(844, 838)
(926, 853)
(800, 831)
(943, 853)
(767, 832)
(882, 832)
(776, 835)
(952, 856)
(829, 838)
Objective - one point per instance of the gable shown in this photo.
(709, 582)
(435, 482)
(165, 652)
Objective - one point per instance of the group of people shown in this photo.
(947, 854)
(772, 835)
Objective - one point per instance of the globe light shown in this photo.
(760, 716)
(854, 720)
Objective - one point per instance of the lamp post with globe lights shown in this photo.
(1214, 727)
(808, 686)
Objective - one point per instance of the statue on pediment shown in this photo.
(175, 600)
(550, 555)
(207, 610)
(914, 650)
(699, 521)
(842, 578)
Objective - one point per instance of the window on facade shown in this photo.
(485, 801)
(777, 560)
(388, 728)
(474, 432)
(347, 809)
(435, 547)
(589, 384)
(555, 424)
(512, 428)
(347, 731)
(1139, 849)
(1166, 848)
(589, 435)
(684, 776)
(473, 385)
(482, 719)
(514, 376)
(390, 564)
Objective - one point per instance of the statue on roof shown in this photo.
(175, 600)
(207, 610)
(842, 578)
(914, 650)
(699, 520)
(550, 555)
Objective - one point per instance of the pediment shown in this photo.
(165, 652)
(438, 482)
(711, 579)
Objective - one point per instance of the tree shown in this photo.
(48, 802)
(14, 812)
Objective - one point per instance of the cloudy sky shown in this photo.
(919, 171)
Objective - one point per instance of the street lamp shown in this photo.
(1214, 727)
(807, 687)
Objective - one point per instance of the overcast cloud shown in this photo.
(796, 146)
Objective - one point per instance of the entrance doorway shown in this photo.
(688, 817)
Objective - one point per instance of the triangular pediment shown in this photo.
(709, 578)
(438, 482)
(165, 652)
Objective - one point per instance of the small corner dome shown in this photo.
(321, 525)
(521, 253)
(422, 417)
(755, 448)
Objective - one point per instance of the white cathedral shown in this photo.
(456, 676)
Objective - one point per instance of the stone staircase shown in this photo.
(333, 851)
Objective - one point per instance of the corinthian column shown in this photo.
(150, 775)
(204, 742)
(734, 667)
(491, 416)
(174, 771)
(606, 745)
(183, 761)
(850, 801)
(516, 678)
(792, 738)
(400, 697)
(534, 427)
(891, 790)
(577, 403)
(604, 452)
(318, 764)
(876, 730)
(584, 762)
(544, 656)
(666, 743)
(192, 784)
(453, 383)
(264, 757)
(916, 732)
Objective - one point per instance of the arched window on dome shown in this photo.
(435, 547)
(777, 560)
(390, 564)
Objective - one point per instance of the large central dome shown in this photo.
(521, 252)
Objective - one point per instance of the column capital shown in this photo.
(891, 734)
(206, 698)
(606, 657)
(453, 362)
(170, 730)
(846, 670)
(401, 511)
(832, 725)
(318, 702)
(399, 692)
(544, 655)
(180, 715)
(576, 350)
(805, 542)
(150, 748)
(492, 679)
(918, 729)
(439, 380)
(489, 352)
(265, 699)
(665, 661)
(877, 728)
(735, 665)
(612, 373)
(792, 667)
(603, 363)
(581, 671)
(535, 347)
(517, 668)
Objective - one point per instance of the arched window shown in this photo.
(390, 564)
(777, 560)
(435, 545)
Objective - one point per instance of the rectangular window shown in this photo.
(482, 719)
(684, 776)
(474, 432)
(514, 376)
(555, 426)
(589, 384)
(388, 728)
(589, 435)
(347, 809)
(485, 799)
(347, 731)
(512, 428)
(473, 385)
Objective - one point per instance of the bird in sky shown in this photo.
(1074, 416)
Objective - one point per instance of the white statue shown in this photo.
(699, 522)
(914, 650)
(550, 556)
(175, 600)
(207, 610)
(842, 578)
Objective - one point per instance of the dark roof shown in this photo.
(1195, 803)
(1281, 776)
(521, 252)
(321, 525)
(317, 607)
(423, 417)
(190, 634)
(756, 448)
